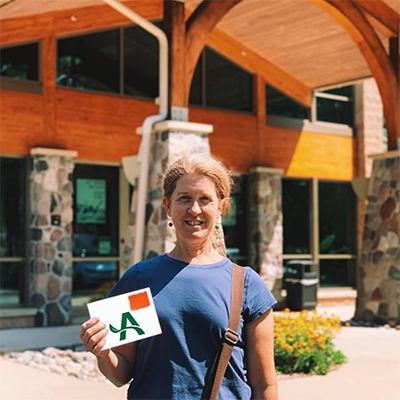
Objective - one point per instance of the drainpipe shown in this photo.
(148, 123)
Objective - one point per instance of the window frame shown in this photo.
(24, 85)
(24, 294)
(315, 254)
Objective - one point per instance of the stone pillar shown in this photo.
(378, 281)
(265, 226)
(51, 216)
(170, 141)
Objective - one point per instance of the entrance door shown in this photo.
(100, 204)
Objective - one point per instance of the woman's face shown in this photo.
(194, 208)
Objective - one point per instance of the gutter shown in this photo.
(144, 151)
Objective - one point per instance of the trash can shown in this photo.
(301, 285)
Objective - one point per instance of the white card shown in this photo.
(129, 317)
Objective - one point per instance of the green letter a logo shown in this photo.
(125, 318)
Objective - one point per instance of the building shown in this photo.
(295, 117)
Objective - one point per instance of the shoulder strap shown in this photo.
(231, 336)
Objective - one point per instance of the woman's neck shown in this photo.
(195, 255)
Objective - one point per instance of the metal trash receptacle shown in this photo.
(301, 285)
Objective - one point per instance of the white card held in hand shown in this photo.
(129, 317)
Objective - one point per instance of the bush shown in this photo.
(303, 342)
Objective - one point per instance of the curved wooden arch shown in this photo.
(353, 21)
(198, 28)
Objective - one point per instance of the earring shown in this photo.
(170, 224)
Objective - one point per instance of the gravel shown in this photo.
(78, 364)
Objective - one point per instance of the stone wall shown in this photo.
(51, 216)
(167, 145)
(265, 226)
(379, 270)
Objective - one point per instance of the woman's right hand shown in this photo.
(93, 336)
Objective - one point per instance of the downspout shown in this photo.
(148, 123)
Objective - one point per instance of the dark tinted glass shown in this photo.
(20, 62)
(234, 222)
(337, 273)
(141, 55)
(341, 112)
(227, 85)
(337, 218)
(282, 105)
(296, 216)
(90, 274)
(12, 211)
(96, 227)
(196, 89)
(11, 283)
(89, 61)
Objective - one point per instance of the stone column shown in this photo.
(51, 216)
(265, 226)
(378, 282)
(170, 141)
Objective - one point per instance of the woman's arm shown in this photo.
(260, 357)
(116, 365)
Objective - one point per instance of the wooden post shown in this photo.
(175, 29)
(260, 105)
(48, 65)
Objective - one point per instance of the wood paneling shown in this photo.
(85, 19)
(309, 154)
(103, 128)
(21, 120)
(100, 127)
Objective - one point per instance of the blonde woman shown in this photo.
(191, 286)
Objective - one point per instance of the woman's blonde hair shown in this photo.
(201, 164)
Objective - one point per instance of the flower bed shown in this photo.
(303, 342)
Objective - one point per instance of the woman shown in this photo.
(191, 289)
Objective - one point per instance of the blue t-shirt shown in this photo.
(193, 305)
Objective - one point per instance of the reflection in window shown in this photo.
(96, 227)
(11, 283)
(337, 221)
(12, 218)
(90, 61)
(296, 216)
(234, 222)
(89, 275)
(21, 62)
(227, 85)
(141, 63)
(337, 273)
(336, 105)
(281, 105)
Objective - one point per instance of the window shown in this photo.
(219, 83)
(141, 63)
(234, 222)
(20, 62)
(296, 216)
(336, 105)
(281, 105)
(12, 230)
(334, 213)
(90, 61)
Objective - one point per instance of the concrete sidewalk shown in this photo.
(372, 371)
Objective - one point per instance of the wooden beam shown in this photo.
(353, 21)
(261, 113)
(249, 59)
(175, 29)
(381, 16)
(48, 63)
(198, 28)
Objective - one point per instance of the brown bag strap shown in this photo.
(231, 335)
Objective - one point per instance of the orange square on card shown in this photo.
(139, 300)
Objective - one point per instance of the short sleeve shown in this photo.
(127, 283)
(257, 297)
